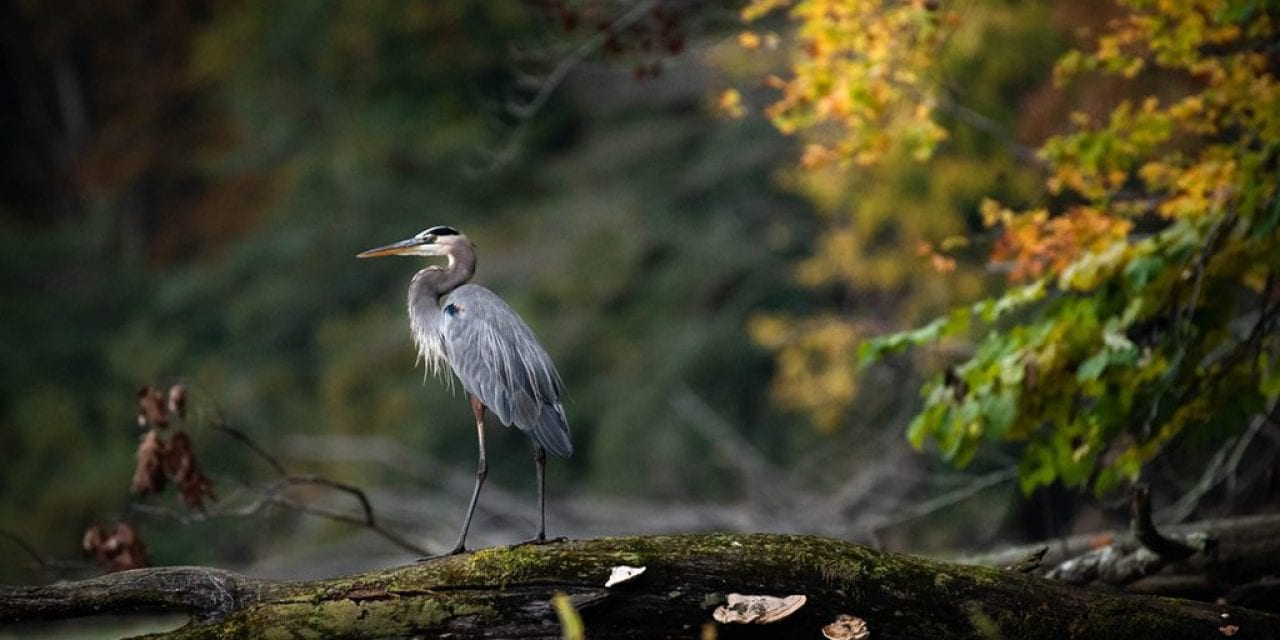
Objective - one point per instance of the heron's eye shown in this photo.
(429, 239)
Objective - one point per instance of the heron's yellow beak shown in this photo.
(414, 246)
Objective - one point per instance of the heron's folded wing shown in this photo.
(497, 358)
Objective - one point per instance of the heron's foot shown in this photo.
(452, 552)
(542, 539)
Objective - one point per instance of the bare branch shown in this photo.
(1000, 133)
(42, 563)
(1150, 537)
(524, 111)
(274, 495)
(947, 499)
(762, 479)
(1221, 467)
(39, 560)
(244, 439)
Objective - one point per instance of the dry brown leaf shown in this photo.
(92, 538)
(178, 401)
(846, 627)
(148, 475)
(153, 413)
(749, 609)
(117, 550)
(183, 469)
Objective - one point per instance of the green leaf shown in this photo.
(1093, 367)
(1000, 411)
(1235, 12)
(1142, 270)
(1036, 469)
(1269, 220)
(992, 309)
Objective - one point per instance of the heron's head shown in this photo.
(436, 241)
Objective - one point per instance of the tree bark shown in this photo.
(506, 593)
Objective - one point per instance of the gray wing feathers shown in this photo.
(497, 358)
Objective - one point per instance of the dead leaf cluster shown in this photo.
(153, 411)
(157, 409)
(116, 550)
(180, 465)
(160, 462)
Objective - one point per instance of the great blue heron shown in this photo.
(490, 349)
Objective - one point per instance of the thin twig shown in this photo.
(42, 563)
(272, 494)
(356, 492)
(580, 53)
(761, 478)
(1182, 325)
(947, 499)
(985, 124)
(524, 111)
(1186, 505)
(244, 439)
(1222, 467)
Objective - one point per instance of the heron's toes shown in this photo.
(540, 540)
(453, 552)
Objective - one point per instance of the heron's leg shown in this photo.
(482, 469)
(540, 465)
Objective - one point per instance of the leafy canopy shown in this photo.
(1140, 304)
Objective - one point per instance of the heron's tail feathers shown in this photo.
(551, 430)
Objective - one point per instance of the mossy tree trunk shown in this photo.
(506, 592)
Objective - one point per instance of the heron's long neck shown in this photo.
(435, 283)
(425, 315)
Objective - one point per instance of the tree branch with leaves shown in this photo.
(1140, 309)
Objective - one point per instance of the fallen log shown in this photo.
(507, 592)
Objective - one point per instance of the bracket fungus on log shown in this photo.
(747, 609)
(622, 573)
(846, 627)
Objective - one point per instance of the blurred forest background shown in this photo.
(707, 243)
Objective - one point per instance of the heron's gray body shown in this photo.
(495, 356)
